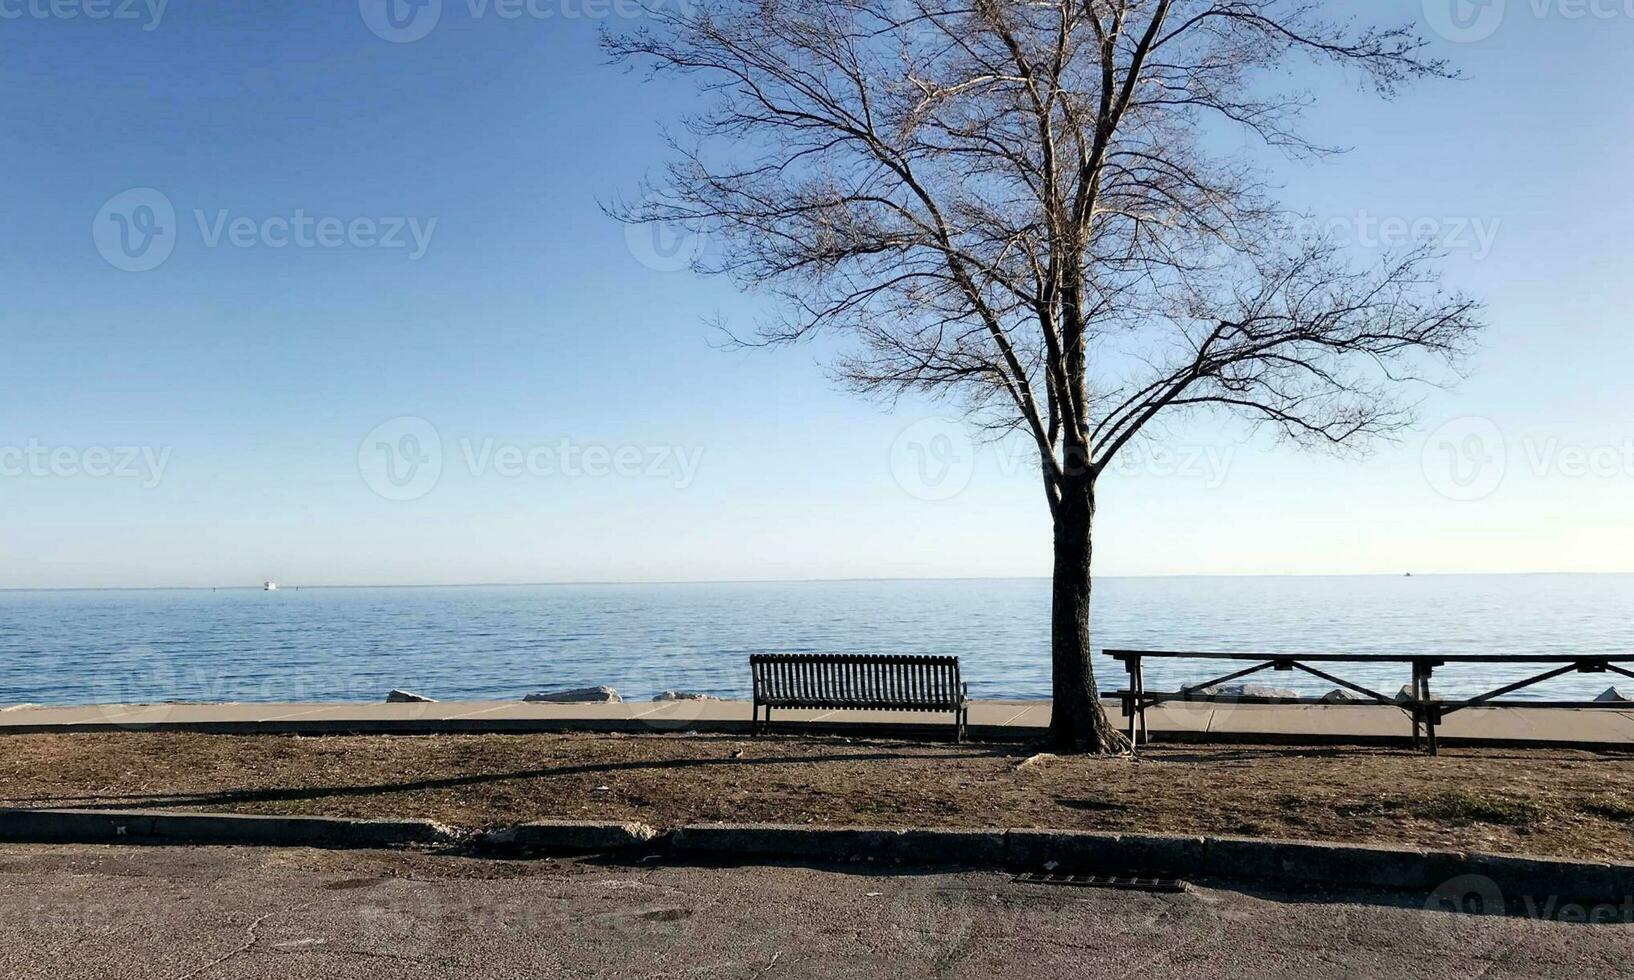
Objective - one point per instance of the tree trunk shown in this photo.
(1078, 723)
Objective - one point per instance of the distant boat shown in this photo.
(270, 587)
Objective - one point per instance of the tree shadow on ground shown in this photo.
(1205, 755)
(298, 793)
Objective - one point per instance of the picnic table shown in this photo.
(1418, 701)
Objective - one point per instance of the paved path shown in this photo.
(217, 913)
(989, 719)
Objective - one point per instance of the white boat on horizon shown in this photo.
(270, 587)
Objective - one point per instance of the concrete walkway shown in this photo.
(89, 913)
(988, 719)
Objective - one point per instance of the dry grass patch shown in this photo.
(1547, 801)
(1464, 807)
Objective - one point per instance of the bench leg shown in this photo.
(1418, 690)
(1432, 717)
(1145, 730)
(1137, 711)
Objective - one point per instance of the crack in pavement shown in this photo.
(249, 934)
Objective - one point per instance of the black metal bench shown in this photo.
(845, 682)
(1425, 710)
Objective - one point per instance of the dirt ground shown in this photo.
(1546, 801)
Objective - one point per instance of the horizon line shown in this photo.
(568, 583)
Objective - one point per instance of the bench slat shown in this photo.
(857, 681)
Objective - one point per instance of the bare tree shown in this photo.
(1021, 205)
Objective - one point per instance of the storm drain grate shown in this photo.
(1105, 881)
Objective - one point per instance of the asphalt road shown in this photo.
(134, 913)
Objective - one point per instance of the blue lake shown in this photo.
(503, 641)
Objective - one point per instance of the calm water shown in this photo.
(501, 642)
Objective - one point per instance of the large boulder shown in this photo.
(1340, 695)
(1249, 691)
(408, 697)
(578, 695)
(1613, 694)
(684, 696)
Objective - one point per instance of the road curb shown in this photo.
(164, 827)
(567, 837)
(894, 845)
(1300, 864)
(1282, 863)
(158, 827)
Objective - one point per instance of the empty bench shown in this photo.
(845, 682)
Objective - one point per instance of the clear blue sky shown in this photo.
(255, 375)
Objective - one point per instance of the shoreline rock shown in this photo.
(396, 696)
(1249, 691)
(1340, 695)
(577, 695)
(684, 696)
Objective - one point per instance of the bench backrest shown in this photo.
(846, 680)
